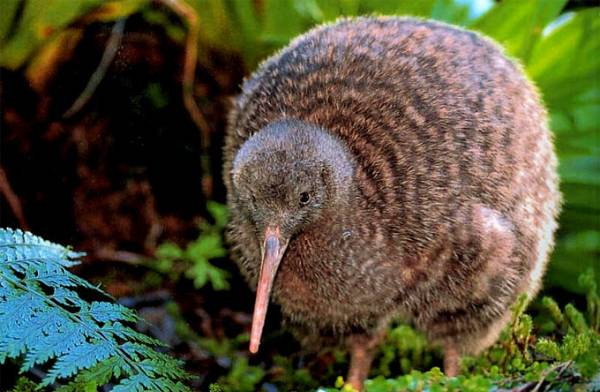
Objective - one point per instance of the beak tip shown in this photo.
(272, 253)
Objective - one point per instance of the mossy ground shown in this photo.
(550, 348)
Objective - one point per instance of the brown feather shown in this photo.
(449, 209)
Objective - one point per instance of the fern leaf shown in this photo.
(42, 317)
(105, 311)
(18, 246)
(14, 317)
(42, 346)
(142, 383)
(131, 335)
(92, 378)
(139, 382)
(80, 357)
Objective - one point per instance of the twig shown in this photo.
(121, 256)
(12, 199)
(561, 366)
(110, 51)
(187, 13)
(565, 366)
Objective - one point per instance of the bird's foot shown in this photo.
(451, 360)
(362, 350)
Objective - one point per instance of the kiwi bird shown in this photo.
(385, 167)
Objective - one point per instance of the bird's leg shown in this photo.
(451, 360)
(362, 349)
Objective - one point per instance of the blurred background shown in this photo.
(112, 121)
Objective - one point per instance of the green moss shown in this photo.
(564, 357)
(24, 384)
(528, 352)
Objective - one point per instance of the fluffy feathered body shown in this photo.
(439, 180)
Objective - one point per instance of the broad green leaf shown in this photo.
(52, 54)
(40, 20)
(9, 10)
(578, 142)
(518, 24)
(309, 9)
(580, 170)
(580, 120)
(283, 20)
(332, 10)
(43, 19)
(583, 241)
(449, 11)
(215, 25)
(115, 9)
(565, 64)
(580, 199)
(247, 29)
(575, 215)
(566, 266)
(386, 7)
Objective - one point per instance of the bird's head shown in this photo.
(286, 177)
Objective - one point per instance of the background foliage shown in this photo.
(558, 51)
(556, 41)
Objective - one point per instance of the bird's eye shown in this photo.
(304, 198)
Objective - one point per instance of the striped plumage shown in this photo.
(451, 204)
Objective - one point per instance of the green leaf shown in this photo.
(450, 11)
(218, 212)
(116, 9)
(517, 24)
(331, 10)
(40, 20)
(208, 246)
(284, 19)
(565, 63)
(9, 10)
(24, 385)
(580, 170)
(216, 25)
(565, 267)
(218, 278)
(92, 378)
(43, 19)
(247, 31)
(170, 251)
(242, 376)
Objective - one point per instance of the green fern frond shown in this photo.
(43, 319)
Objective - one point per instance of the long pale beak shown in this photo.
(273, 251)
